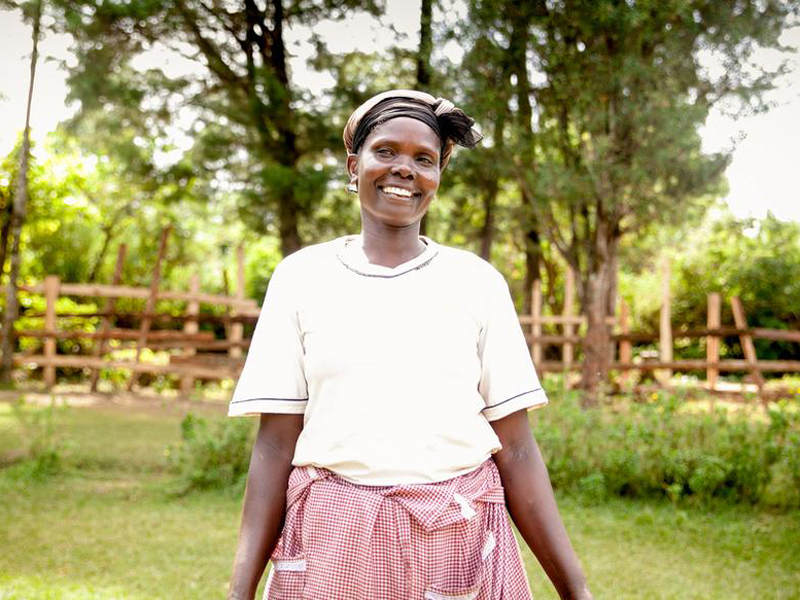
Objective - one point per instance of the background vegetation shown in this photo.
(592, 156)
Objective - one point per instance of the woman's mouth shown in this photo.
(397, 193)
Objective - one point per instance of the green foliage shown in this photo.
(42, 447)
(658, 450)
(211, 455)
(757, 260)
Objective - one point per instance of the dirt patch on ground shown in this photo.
(146, 402)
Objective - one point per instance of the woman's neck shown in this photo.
(389, 247)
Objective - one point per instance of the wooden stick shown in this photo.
(536, 326)
(559, 320)
(665, 322)
(226, 313)
(108, 307)
(120, 334)
(198, 371)
(625, 345)
(569, 309)
(713, 321)
(723, 365)
(748, 348)
(190, 327)
(237, 328)
(243, 318)
(199, 345)
(51, 285)
(554, 339)
(151, 303)
(99, 290)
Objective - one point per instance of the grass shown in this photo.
(107, 528)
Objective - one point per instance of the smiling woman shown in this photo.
(396, 174)
(392, 381)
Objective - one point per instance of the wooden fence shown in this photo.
(569, 326)
(195, 354)
(189, 362)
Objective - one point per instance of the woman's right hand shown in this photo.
(264, 501)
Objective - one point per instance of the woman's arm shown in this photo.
(530, 501)
(264, 501)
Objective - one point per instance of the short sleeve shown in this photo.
(508, 378)
(273, 378)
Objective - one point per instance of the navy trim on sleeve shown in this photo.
(276, 399)
(510, 399)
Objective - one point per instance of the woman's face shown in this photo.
(397, 171)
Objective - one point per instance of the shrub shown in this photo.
(42, 448)
(211, 455)
(656, 450)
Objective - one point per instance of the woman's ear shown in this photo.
(352, 166)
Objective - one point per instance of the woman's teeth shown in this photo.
(396, 191)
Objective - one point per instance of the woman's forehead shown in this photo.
(406, 129)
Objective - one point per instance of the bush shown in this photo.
(656, 450)
(42, 448)
(211, 455)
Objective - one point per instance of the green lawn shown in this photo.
(107, 528)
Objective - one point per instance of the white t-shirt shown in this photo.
(397, 371)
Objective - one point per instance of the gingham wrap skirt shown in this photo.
(442, 541)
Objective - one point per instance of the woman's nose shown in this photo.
(403, 167)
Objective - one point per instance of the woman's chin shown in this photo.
(396, 217)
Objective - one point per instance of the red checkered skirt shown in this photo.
(441, 541)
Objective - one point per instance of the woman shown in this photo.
(392, 380)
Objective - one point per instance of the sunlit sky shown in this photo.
(764, 174)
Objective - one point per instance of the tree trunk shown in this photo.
(18, 216)
(487, 231)
(289, 210)
(518, 51)
(596, 288)
(287, 224)
(493, 187)
(4, 232)
(533, 260)
(101, 256)
(611, 301)
(424, 66)
(425, 46)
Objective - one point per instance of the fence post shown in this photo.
(191, 326)
(568, 355)
(51, 287)
(713, 321)
(665, 323)
(536, 323)
(237, 327)
(625, 345)
(748, 348)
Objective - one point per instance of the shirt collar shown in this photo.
(351, 253)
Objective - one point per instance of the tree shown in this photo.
(494, 82)
(624, 95)
(32, 12)
(254, 123)
(424, 75)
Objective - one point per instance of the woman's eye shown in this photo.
(425, 160)
(384, 151)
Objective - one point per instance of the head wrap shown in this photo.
(451, 124)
